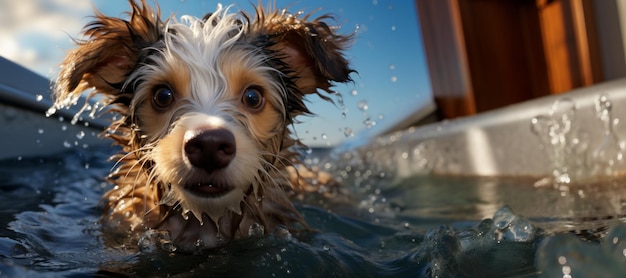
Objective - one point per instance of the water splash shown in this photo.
(568, 148)
(508, 226)
(608, 156)
(553, 129)
(564, 255)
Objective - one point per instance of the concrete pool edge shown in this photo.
(27, 132)
(498, 142)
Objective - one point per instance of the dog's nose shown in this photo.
(211, 149)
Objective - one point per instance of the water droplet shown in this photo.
(324, 136)
(76, 118)
(363, 106)
(38, 98)
(394, 79)
(80, 134)
(392, 67)
(503, 218)
(51, 111)
(354, 92)
(347, 131)
(64, 127)
(393, 28)
(339, 99)
(369, 123)
(40, 131)
(67, 144)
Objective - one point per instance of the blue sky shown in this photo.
(392, 81)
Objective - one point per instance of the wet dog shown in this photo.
(203, 113)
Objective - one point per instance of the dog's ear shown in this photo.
(109, 52)
(311, 49)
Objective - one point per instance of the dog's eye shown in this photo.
(163, 97)
(253, 99)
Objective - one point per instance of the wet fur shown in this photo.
(207, 63)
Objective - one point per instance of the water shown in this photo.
(371, 226)
(574, 158)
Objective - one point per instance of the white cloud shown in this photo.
(36, 33)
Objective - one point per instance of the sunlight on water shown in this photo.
(377, 223)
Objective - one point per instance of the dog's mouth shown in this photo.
(208, 189)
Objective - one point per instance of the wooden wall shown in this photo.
(485, 54)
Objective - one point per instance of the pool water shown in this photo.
(374, 225)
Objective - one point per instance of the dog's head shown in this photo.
(205, 104)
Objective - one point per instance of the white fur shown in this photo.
(201, 46)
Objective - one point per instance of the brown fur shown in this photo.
(306, 53)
